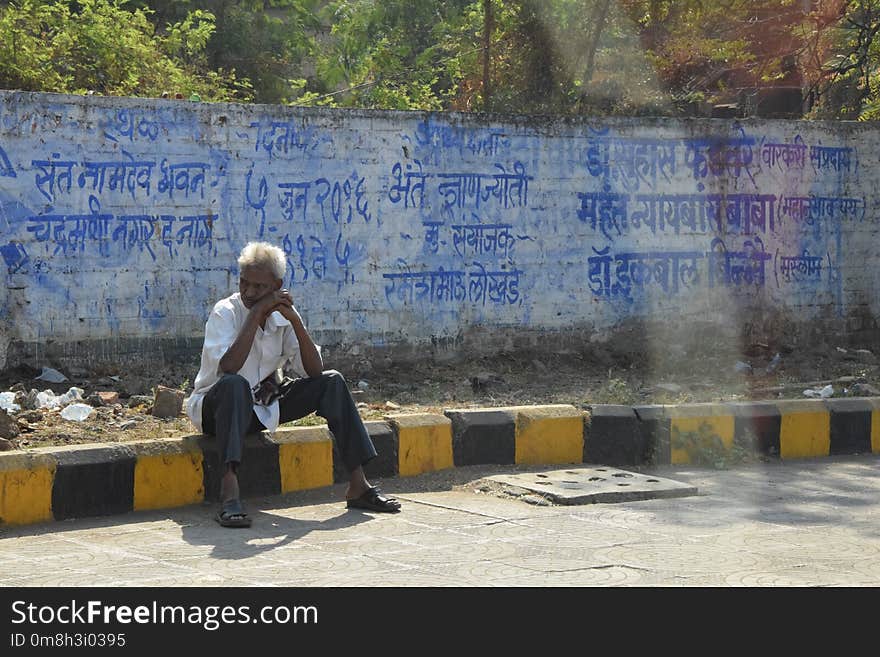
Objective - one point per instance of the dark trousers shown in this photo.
(228, 414)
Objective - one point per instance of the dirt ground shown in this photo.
(565, 377)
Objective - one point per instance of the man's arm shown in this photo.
(236, 355)
(238, 351)
(311, 357)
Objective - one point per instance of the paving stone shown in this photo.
(594, 485)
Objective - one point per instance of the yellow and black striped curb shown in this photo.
(103, 479)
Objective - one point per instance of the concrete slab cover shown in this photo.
(576, 485)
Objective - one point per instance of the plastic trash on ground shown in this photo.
(7, 402)
(822, 393)
(51, 375)
(48, 399)
(76, 412)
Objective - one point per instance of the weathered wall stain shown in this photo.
(120, 222)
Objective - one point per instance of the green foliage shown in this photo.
(579, 57)
(394, 54)
(265, 43)
(99, 46)
(844, 71)
(25, 62)
(268, 46)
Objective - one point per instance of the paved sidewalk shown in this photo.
(814, 522)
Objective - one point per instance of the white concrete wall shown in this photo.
(122, 219)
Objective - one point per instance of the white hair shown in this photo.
(265, 255)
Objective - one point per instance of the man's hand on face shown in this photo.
(277, 300)
(285, 306)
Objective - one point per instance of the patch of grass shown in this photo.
(666, 397)
(615, 391)
(310, 420)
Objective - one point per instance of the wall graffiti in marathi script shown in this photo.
(124, 217)
(760, 211)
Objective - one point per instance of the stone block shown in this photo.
(850, 425)
(93, 481)
(612, 436)
(483, 436)
(424, 442)
(168, 402)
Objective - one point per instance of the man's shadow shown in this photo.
(268, 531)
(259, 482)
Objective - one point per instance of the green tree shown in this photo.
(267, 42)
(268, 48)
(842, 60)
(542, 56)
(595, 57)
(571, 57)
(711, 52)
(99, 46)
(393, 54)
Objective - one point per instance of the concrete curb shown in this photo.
(58, 483)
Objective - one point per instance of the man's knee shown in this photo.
(334, 382)
(334, 386)
(333, 377)
(232, 384)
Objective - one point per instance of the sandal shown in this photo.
(232, 515)
(374, 500)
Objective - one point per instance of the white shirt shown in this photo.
(273, 346)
